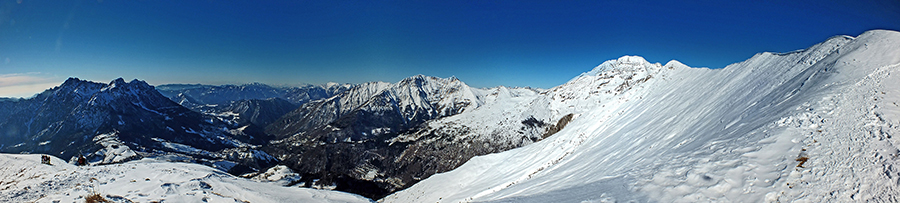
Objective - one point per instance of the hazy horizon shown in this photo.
(485, 44)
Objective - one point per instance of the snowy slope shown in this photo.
(24, 179)
(515, 117)
(812, 125)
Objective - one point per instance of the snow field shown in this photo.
(25, 179)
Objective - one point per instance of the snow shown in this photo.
(279, 174)
(414, 99)
(24, 179)
(813, 125)
(114, 151)
(502, 107)
(514, 117)
(183, 148)
(443, 96)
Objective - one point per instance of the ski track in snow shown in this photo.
(814, 125)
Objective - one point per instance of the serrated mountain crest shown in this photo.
(412, 101)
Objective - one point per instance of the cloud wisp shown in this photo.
(25, 84)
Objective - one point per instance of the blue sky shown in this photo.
(484, 43)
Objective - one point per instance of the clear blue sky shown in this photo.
(484, 43)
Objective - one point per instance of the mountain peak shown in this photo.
(74, 83)
(631, 59)
(676, 64)
(418, 80)
(72, 80)
(255, 84)
(139, 83)
(624, 62)
(418, 77)
(117, 81)
(120, 83)
(421, 77)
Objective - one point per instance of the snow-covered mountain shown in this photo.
(242, 105)
(811, 125)
(368, 124)
(375, 108)
(24, 179)
(260, 112)
(122, 121)
(196, 95)
(344, 140)
(516, 118)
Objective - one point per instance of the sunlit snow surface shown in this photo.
(24, 179)
(816, 125)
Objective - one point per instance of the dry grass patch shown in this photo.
(802, 161)
(95, 198)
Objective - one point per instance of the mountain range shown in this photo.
(810, 125)
(814, 125)
(121, 121)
